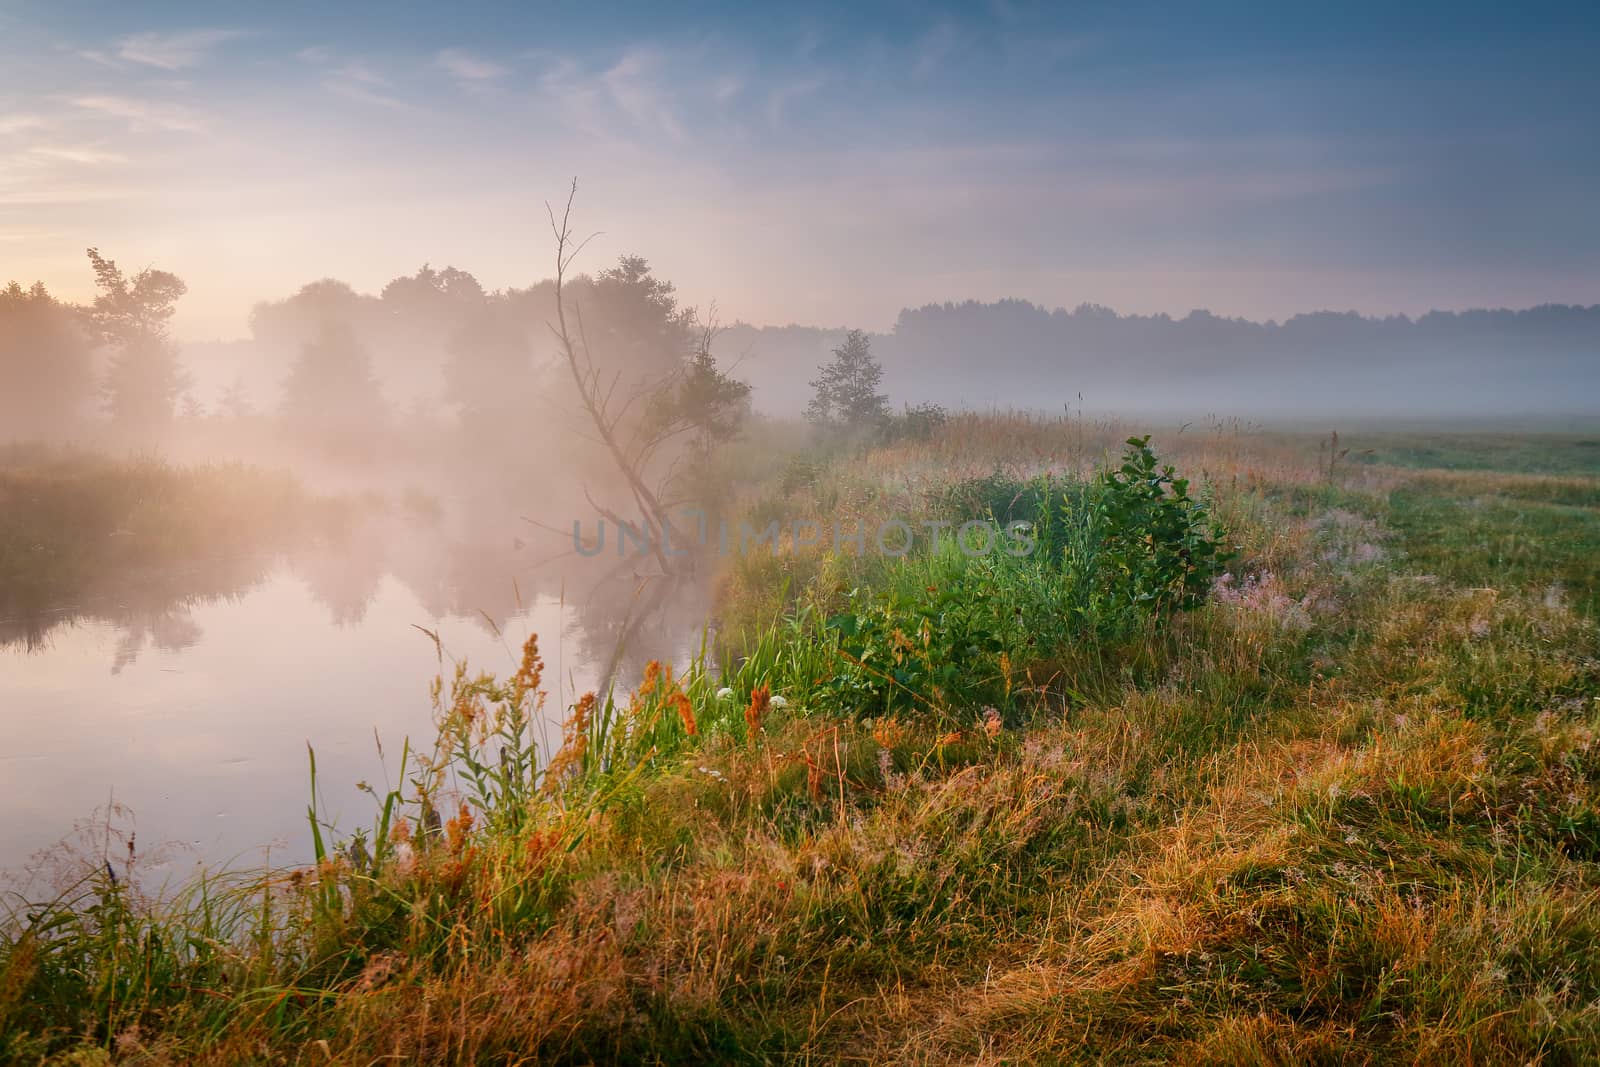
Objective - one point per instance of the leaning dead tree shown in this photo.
(636, 422)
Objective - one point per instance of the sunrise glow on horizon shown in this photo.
(822, 166)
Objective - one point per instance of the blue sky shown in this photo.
(817, 164)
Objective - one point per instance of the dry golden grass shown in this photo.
(1343, 813)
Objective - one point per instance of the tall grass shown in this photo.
(1343, 810)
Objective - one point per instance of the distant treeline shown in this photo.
(327, 361)
(333, 362)
(1013, 353)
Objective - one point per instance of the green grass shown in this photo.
(1519, 453)
(1346, 810)
(1499, 541)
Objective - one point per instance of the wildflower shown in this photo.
(574, 743)
(458, 828)
(779, 702)
(531, 671)
(760, 699)
(652, 678)
(888, 732)
(725, 693)
(685, 712)
(991, 722)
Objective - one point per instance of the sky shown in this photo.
(815, 164)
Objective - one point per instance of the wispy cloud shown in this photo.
(87, 155)
(358, 71)
(576, 98)
(173, 51)
(95, 55)
(361, 94)
(10, 124)
(142, 115)
(353, 79)
(466, 67)
(634, 89)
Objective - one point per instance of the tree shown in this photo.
(295, 321)
(144, 379)
(847, 394)
(489, 370)
(703, 406)
(705, 403)
(434, 294)
(421, 318)
(632, 323)
(330, 392)
(44, 362)
(645, 348)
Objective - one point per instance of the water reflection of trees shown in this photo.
(487, 568)
(151, 606)
(343, 575)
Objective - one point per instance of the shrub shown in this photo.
(1157, 546)
(917, 422)
(1099, 561)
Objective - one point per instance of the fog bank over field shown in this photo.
(1005, 354)
(1012, 353)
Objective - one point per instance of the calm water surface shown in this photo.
(193, 712)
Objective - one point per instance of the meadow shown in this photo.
(1266, 753)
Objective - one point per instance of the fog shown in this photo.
(443, 445)
(1015, 354)
(507, 415)
(453, 451)
(433, 348)
(454, 408)
(891, 532)
(489, 422)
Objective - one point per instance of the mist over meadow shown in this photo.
(1015, 354)
(874, 533)
(428, 334)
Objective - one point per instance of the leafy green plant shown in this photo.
(1095, 562)
(1158, 546)
(939, 646)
